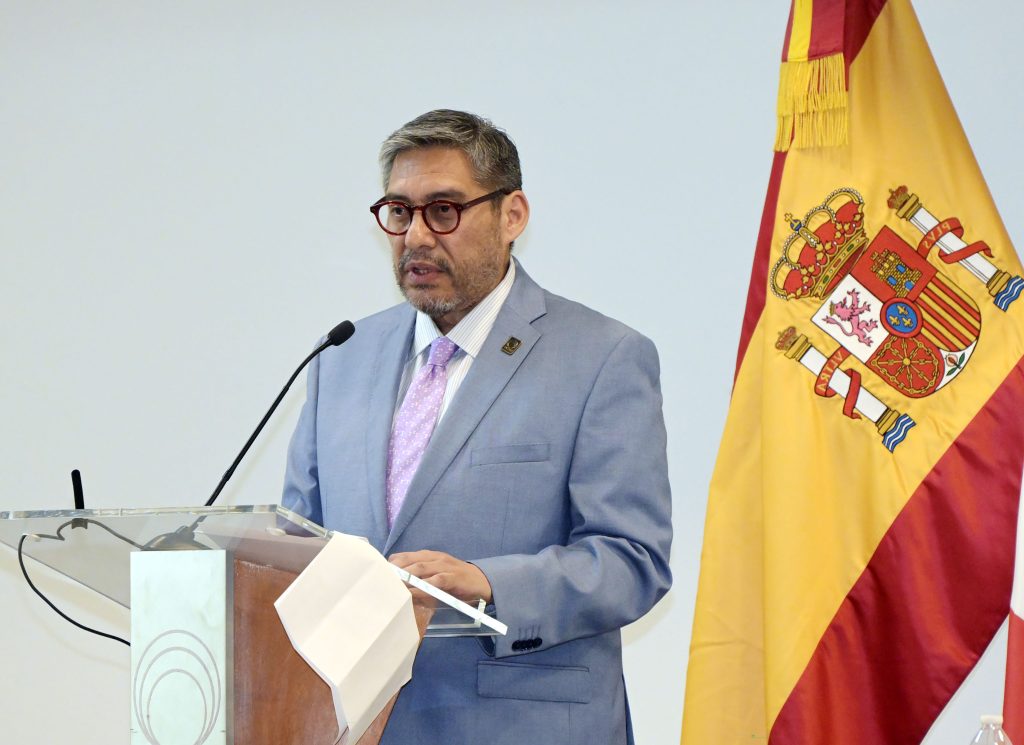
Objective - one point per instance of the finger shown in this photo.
(419, 597)
(425, 569)
(461, 585)
(405, 558)
(444, 581)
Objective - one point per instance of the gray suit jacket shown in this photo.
(548, 472)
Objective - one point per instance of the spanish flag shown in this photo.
(858, 550)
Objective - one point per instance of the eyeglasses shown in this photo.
(442, 216)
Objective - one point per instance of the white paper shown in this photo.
(350, 617)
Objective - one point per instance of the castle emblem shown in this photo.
(883, 302)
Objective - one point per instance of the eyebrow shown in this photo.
(452, 194)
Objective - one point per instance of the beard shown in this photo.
(470, 282)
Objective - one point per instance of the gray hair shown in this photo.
(491, 152)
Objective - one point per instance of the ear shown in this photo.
(515, 213)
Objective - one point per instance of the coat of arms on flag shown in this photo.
(883, 302)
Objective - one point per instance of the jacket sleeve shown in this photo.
(615, 564)
(301, 481)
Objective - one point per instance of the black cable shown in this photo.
(183, 537)
(83, 521)
(58, 537)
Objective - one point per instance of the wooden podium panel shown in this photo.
(278, 698)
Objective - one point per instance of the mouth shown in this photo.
(420, 272)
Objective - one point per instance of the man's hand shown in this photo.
(456, 577)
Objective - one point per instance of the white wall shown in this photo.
(183, 210)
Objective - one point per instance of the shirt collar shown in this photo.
(471, 332)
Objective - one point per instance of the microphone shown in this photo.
(76, 487)
(79, 495)
(336, 336)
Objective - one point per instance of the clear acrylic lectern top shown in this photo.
(92, 546)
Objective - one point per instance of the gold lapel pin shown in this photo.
(510, 346)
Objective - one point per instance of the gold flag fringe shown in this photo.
(812, 105)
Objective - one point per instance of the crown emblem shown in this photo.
(821, 247)
(901, 200)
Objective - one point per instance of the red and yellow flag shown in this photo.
(858, 551)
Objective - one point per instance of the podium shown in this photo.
(201, 585)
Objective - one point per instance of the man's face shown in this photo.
(445, 276)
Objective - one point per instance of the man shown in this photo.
(498, 441)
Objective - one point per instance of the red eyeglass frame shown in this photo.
(457, 206)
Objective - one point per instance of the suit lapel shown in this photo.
(392, 353)
(490, 373)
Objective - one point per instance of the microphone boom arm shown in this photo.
(338, 335)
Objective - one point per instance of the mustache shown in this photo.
(408, 257)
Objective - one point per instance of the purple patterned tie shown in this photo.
(415, 423)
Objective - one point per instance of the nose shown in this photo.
(419, 235)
